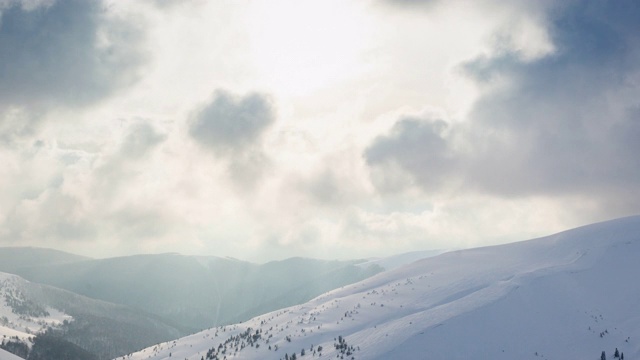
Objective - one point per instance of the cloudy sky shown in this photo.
(333, 129)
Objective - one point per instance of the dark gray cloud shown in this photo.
(567, 123)
(231, 124)
(556, 127)
(67, 53)
(416, 146)
(232, 127)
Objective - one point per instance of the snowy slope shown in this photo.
(8, 356)
(566, 296)
(104, 329)
(20, 316)
(396, 261)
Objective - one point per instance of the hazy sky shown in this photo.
(263, 129)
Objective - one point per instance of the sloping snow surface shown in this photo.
(567, 296)
(20, 316)
(8, 356)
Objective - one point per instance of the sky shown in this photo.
(331, 129)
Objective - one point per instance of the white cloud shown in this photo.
(399, 125)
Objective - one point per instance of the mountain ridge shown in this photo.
(28, 310)
(219, 290)
(567, 295)
(14, 258)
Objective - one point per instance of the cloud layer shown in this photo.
(563, 124)
(233, 127)
(64, 52)
(230, 124)
(191, 126)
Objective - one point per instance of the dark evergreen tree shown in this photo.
(16, 347)
(603, 356)
(47, 347)
(616, 354)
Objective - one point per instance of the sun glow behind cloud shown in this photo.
(302, 46)
(265, 129)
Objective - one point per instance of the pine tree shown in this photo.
(616, 354)
(603, 356)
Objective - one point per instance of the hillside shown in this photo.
(219, 290)
(567, 296)
(28, 309)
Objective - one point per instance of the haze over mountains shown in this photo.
(195, 292)
(118, 305)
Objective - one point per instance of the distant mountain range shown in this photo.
(573, 295)
(12, 259)
(104, 329)
(193, 292)
(122, 304)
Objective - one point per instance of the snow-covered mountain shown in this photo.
(29, 309)
(219, 290)
(567, 296)
(20, 317)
